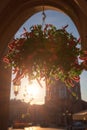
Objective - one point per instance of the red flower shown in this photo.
(65, 27)
(6, 60)
(83, 58)
(76, 78)
(79, 40)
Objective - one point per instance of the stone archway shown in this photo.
(12, 15)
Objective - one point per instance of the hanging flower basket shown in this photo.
(46, 52)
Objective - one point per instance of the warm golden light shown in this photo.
(33, 92)
(33, 89)
(16, 90)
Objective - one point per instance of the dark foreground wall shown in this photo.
(4, 96)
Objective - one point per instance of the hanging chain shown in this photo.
(43, 15)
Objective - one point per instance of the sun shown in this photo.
(33, 89)
(33, 92)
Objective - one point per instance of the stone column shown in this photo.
(83, 30)
(5, 81)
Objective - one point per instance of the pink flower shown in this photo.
(6, 60)
(65, 27)
(76, 78)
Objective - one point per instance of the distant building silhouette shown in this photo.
(60, 103)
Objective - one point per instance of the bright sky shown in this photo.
(30, 91)
(59, 20)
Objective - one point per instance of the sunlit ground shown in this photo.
(39, 128)
(36, 128)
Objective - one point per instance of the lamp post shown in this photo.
(68, 119)
(16, 89)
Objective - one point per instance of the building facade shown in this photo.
(60, 105)
(62, 102)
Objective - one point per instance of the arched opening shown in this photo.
(59, 19)
(56, 21)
